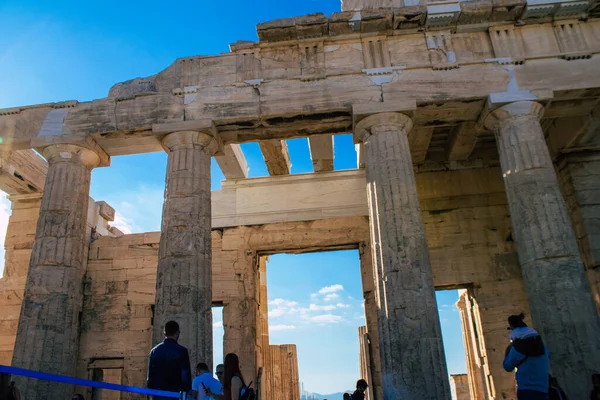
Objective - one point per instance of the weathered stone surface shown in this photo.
(184, 285)
(476, 368)
(553, 271)
(350, 5)
(460, 387)
(48, 333)
(276, 156)
(410, 337)
(285, 382)
(321, 152)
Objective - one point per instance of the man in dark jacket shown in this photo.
(169, 364)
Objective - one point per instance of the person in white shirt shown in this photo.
(204, 377)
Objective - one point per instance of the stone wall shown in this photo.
(580, 180)
(120, 286)
(20, 235)
(19, 242)
(459, 385)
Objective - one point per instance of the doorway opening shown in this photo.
(218, 336)
(316, 303)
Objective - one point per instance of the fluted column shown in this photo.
(48, 334)
(413, 365)
(553, 272)
(184, 277)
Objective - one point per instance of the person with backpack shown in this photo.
(234, 386)
(528, 354)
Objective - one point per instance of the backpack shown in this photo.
(531, 346)
(247, 393)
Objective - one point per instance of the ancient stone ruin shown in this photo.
(477, 125)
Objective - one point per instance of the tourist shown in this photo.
(220, 371)
(361, 388)
(234, 386)
(528, 354)
(555, 392)
(204, 379)
(595, 395)
(169, 364)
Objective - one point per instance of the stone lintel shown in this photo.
(321, 152)
(499, 99)
(199, 125)
(81, 140)
(277, 159)
(24, 197)
(232, 163)
(22, 172)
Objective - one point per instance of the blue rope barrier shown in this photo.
(85, 382)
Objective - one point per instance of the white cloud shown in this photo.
(218, 324)
(122, 223)
(327, 307)
(276, 312)
(327, 319)
(283, 303)
(4, 216)
(331, 289)
(137, 210)
(278, 328)
(331, 297)
(314, 307)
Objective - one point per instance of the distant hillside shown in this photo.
(317, 396)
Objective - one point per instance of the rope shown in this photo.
(85, 382)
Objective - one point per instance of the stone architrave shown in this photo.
(184, 276)
(559, 294)
(413, 365)
(48, 334)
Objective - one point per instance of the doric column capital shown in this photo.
(206, 141)
(501, 115)
(71, 153)
(382, 122)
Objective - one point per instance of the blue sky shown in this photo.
(72, 50)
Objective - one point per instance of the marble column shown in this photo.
(48, 334)
(184, 276)
(559, 294)
(413, 364)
